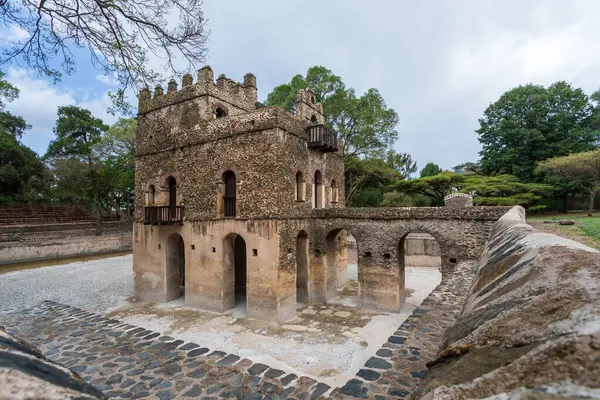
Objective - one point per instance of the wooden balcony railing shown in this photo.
(163, 215)
(322, 138)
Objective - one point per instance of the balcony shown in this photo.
(322, 138)
(163, 215)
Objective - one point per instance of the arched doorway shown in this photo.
(175, 267)
(235, 269)
(419, 266)
(229, 194)
(336, 248)
(302, 274)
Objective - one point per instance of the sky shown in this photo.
(439, 64)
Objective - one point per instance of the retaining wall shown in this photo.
(530, 325)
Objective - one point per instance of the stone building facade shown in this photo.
(241, 203)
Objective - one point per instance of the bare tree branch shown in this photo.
(118, 33)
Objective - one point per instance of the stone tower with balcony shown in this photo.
(225, 192)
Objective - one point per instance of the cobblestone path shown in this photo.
(125, 361)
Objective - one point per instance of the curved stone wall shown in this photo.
(531, 321)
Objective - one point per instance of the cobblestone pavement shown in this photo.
(399, 365)
(125, 361)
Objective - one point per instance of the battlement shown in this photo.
(242, 95)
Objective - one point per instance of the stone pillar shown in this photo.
(381, 282)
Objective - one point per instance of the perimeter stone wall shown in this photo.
(530, 323)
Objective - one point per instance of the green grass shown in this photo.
(584, 226)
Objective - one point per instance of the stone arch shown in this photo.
(175, 266)
(302, 267)
(235, 273)
(171, 185)
(313, 119)
(219, 110)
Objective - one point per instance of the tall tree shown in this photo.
(118, 34)
(531, 123)
(430, 169)
(20, 168)
(117, 161)
(365, 123)
(583, 168)
(78, 133)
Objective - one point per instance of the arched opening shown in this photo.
(235, 269)
(419, 264)
(313, 119)
(318, 193)
(341, 274)
(300, 188)
(151, 194)
(229, 196)
(422, 250)
(175, 267)
(220, 112)
(172, 185)
(302, 274)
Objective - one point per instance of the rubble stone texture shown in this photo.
(289, 207)
(531, 320)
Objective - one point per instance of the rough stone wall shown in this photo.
(26, 374)
(531, 320)
(458, 200)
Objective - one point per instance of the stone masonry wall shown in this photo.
(531, 321)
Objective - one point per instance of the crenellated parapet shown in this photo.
(241, 96)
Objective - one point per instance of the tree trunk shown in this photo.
(565, 201)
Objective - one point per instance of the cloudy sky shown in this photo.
(437, 63)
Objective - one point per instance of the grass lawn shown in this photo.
(586, 229)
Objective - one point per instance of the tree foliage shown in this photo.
(486, 190)
(78, 133)
(365, 123)
(21, 171)
(531, 123)
(430, 169)
(582, 168)
(118, 34)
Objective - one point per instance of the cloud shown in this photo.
(439, 65)
(110, 80)
(12, 34)
(39, 101)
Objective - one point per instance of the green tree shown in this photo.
(531, 123)
(435, 187)
(366, 124)
(430, 169)
(21, 170)
(583, 168)
(117, 166)
(78, 134)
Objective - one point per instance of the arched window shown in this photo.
(220, 113)
(333, 195)
(172, 184)
(151, 194)
(300, 187)
(318, 193)
(229, 194)
(313, 119)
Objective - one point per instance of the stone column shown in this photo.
(381, 281)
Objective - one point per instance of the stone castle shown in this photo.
(237, 201)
